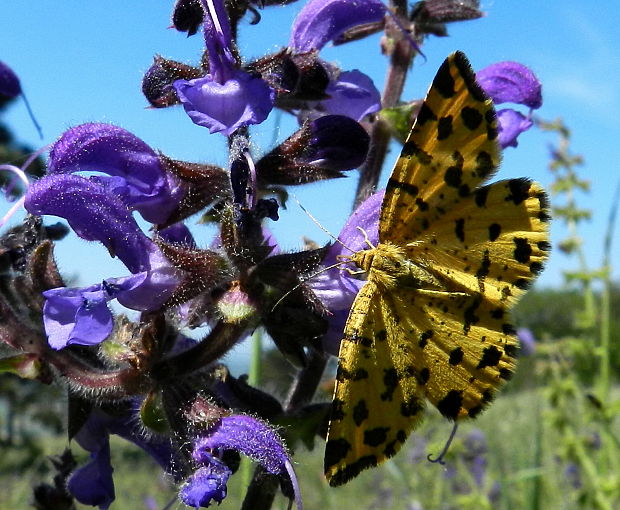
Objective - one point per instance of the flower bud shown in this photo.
(158, 79)
(320, 150)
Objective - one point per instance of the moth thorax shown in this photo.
(363, 259)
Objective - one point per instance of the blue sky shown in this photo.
(83, 61)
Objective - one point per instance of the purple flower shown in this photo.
(95, 214)
(9, 82)
(224, 107)
(511, 82)
(353, 94)
(227, 98)
(336, 288)
(92, 484)
(207, 484)
(321, 21)
(76, 316)
(246, 435)
(527, 341)
(135, 171)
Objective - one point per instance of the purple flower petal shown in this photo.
(511, 124)
(511, 82)
(224, 107)
(94, 214)
(92, 483)
(336, 288)
(354, 94)
(178, 233)
(321, 21)
(207, 484)
(76, 316)
(137, 175)
(248, 436)
(218, 40)
(9, 82)
(527, 341)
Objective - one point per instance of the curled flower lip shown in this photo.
(321, 21)
(511, 82)
(135, 171)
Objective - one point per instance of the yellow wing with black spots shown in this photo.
(494, 244)
(459, 348)
(375, 404)
(432, 322)
(451, 150)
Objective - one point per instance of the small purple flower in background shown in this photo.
(527, 341)
(246, 435)
(227, 98)
(511, 82)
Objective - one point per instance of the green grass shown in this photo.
(522, 459)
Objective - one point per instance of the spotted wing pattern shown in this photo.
(374, 407)
(447, 337)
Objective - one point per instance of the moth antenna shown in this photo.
(439, 459)
(304, 280)
(316, 222)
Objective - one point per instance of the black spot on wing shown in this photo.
(450, 405)
(410, 189)
(411, 407)
(490, 357)
(337, 410)
(472, 118)
(459, 229)
(425, 114)
(454, 173)
(523, 250)
(480, 196)
(456, 356)
(376, 436)
(360, 412)
(519, 190)
(484, 164)
(390, 381)
(443, 82)
(335, 451)
(495, 230)
(424, 338)
(444, 127)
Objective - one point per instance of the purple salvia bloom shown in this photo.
(178, 233)
(136, 173)
(207, 484)
(97, 215)
(336, 288)
(9, 82)
(321, 21)
(227, 98)
(94, 214)
(92, 483)
(251, 437)
(248, 436)
(511, 124)
(224, 107)
(353, 94)
(511, 82)
(76, 316)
